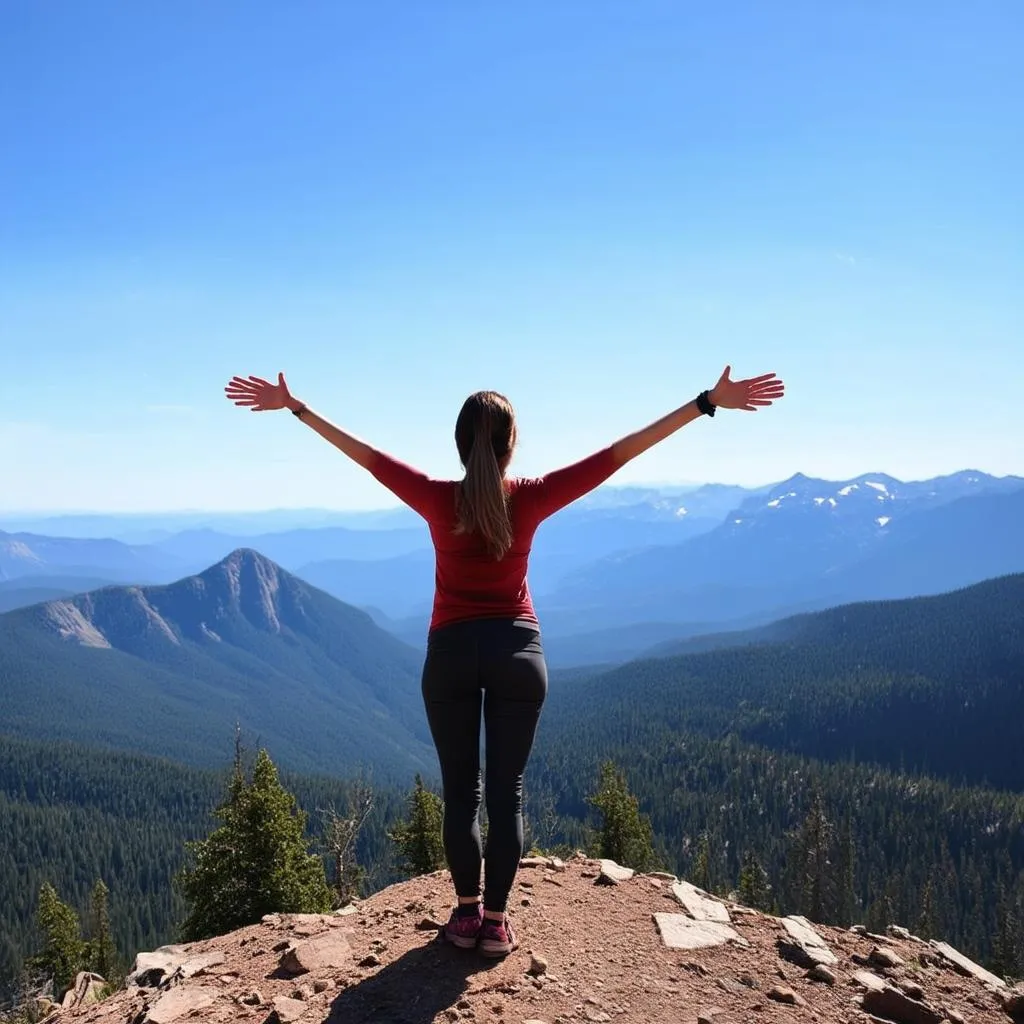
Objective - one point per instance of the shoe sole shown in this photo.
(462, 941)
(488, 947)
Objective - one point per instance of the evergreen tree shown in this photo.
(810, 870)
(846, 894)
(63, 952)
(926, 926)
(1005, 949)
(102, 954)
(626, 835)
(817, 844)
(882, 911)
(540, 820)
(420, 837)
(257, 862)
(1017, 931)
(754, 890)
(701, 874)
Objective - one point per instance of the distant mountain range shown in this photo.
(932, 684)
(170, 670)
(25, 590)
(150, 527)
(806, 544)
(25, 554)
(621, 570)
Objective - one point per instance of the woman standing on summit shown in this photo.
(484, 645)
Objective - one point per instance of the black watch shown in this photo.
(704, 403)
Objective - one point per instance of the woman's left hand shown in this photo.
(749, 394)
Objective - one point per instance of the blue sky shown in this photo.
(591, 207)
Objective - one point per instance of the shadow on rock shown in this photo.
(413, 989)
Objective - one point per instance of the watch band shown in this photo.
(704, 404)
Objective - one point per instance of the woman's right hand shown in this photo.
(260, 395)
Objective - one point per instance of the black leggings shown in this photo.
(496, 664)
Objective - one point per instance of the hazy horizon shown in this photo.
(682, 487)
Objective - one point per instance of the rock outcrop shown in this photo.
(86, 991)
(598, 944)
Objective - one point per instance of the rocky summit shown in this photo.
(598, 944)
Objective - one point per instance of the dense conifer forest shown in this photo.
(861, 764)
(71, 815)
(946, 861)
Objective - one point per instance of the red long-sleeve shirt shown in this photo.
(470, 583)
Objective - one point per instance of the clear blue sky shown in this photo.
(589, 206)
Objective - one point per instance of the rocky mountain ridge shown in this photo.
(599, 944)
(179, 664)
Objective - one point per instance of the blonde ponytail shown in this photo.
(484, 432)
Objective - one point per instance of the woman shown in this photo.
(484, 646)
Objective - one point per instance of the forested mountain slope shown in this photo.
(932, 685)
(170, 670)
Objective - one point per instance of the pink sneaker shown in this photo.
(497, 937)
(463, 929)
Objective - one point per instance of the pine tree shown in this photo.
(1004, 944)
(63, 952)
(818, 836)
(102, 954)
(754, 889)
(882, 911)
(420, 838)
(540, 821)
(701, 874)
(810, 872)
(926, 926)
(626, 836)
(257, 862)
(1017, 931)
(846, 895)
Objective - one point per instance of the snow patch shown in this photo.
(882, 520)
(833, 502)
(680, 512)
(775, 502)
(819, 501)
(847, 490)
(877, 486)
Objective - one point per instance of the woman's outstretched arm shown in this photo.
(632, 445)
(410, 485)
(749, 395)
(356, 449)
(563, 486)
(259, 395)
